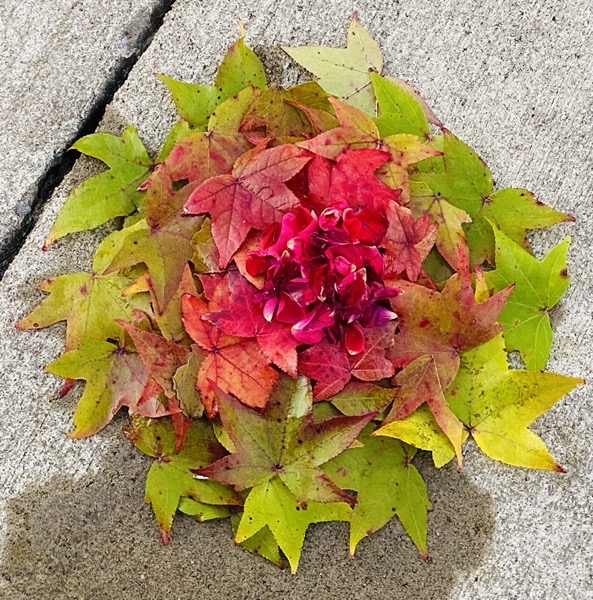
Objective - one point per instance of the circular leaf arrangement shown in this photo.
(309, 285)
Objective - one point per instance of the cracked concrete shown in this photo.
(60, 64)
(514, 82)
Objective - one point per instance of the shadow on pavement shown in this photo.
(94, 538)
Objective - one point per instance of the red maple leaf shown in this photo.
(372, 363)
(253, 195)
(328, 365)
(236, 365)
(407, 242)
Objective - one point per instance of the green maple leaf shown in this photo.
(359, 398)
(344, 72)
(200, 511)
(400, 112)
(421, 430)
(498, 404)
(113, 193)
(271, 504)
(283, 442)
(539, 285)
(171, 477)
(88, 302)
(184, 383)
(263, 543)
(162, 240)
(114, 376)
(240, 68)
(387, 484)
(463, 179)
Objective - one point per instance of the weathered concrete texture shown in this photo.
(513, 81)
(58, 61)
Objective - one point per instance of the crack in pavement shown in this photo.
(63, 160)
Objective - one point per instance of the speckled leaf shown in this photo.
(261, 543)
(88, 303)
(170, 477)
(114, 376)
(162, 240)
(386, 484)
(464, 180)
(442, 324)
(362, 398)
(281, 443)
(498, 404)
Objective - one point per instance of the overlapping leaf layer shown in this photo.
(310, 285)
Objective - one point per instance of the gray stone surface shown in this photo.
(514, 82)
(56, 60)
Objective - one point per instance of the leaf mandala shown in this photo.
(306, 288)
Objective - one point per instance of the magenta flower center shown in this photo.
(323, 275)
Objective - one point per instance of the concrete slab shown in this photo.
(511, 80)
(59, 61)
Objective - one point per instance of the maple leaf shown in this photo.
(407, 241)
(263, 543)
(240, 68)
(243, 317)
(271, 504)
(386, 482)
(405, 150)
(538, 286)
(443, 324)
(419, 429)
(362, 398)
(162, 240)
(400, 112)
(199, 155)
(449, 219)
(205, 257)
(168, 322)
(171, 477)
(353, 181)
(344, 72)
(463, 179)
(110, 194)
(234, 364)
(253, 195)
(417, 383)
(283, 443)
(498, 404)
(328, 365)
(161, 357)
(371, 364)
(115, 377)
(88, 302)
(184, 384)
(282, 114)
(356, 131)
(200, 511)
